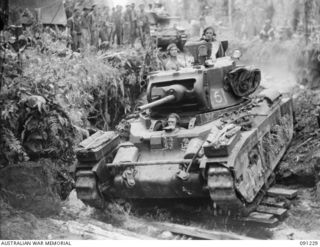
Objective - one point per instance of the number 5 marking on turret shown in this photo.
(218, 97)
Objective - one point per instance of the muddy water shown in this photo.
(196, 213)
(302, 221)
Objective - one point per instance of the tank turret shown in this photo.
(200, 89)
(164, 30)
(203, 87)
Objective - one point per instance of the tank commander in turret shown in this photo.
(209, 35)
(172, 62)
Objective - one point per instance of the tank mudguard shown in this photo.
(258, 152)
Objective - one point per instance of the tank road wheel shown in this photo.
(87, 189)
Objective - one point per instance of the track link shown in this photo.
(220, 185)
(222, 192)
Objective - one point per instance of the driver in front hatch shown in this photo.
(173, 123)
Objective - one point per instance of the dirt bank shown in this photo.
(300, 165)
(31, 186)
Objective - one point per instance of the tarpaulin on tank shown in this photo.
(53, 14)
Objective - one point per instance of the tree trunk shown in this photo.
(230, 7)
(308, 6)
(306, 21)
(4, 14)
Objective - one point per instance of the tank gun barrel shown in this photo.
(158, 102)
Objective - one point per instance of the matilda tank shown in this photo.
(164, 30)
(205, 133)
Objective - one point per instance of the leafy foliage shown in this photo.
(47, 90)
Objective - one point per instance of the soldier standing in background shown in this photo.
(27, 18)
(150, 7)
(74, 26)
(70, 8)
(133, 35)
(94, 28)
(143, 25)
(86, 24)
(127, 25)
(267, 32)
(103, 35)
(118, 24)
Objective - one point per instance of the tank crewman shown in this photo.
(267, 32)
(74, 26)
(133, 34)
(143, 25)
(172, 63)
(173, 123)
(209, 35)
(127, 24)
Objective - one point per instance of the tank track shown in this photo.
(224, 196)
(87, 189)
(220, 186)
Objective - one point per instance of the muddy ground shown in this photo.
(30, 207)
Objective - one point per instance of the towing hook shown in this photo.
(128, 177)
